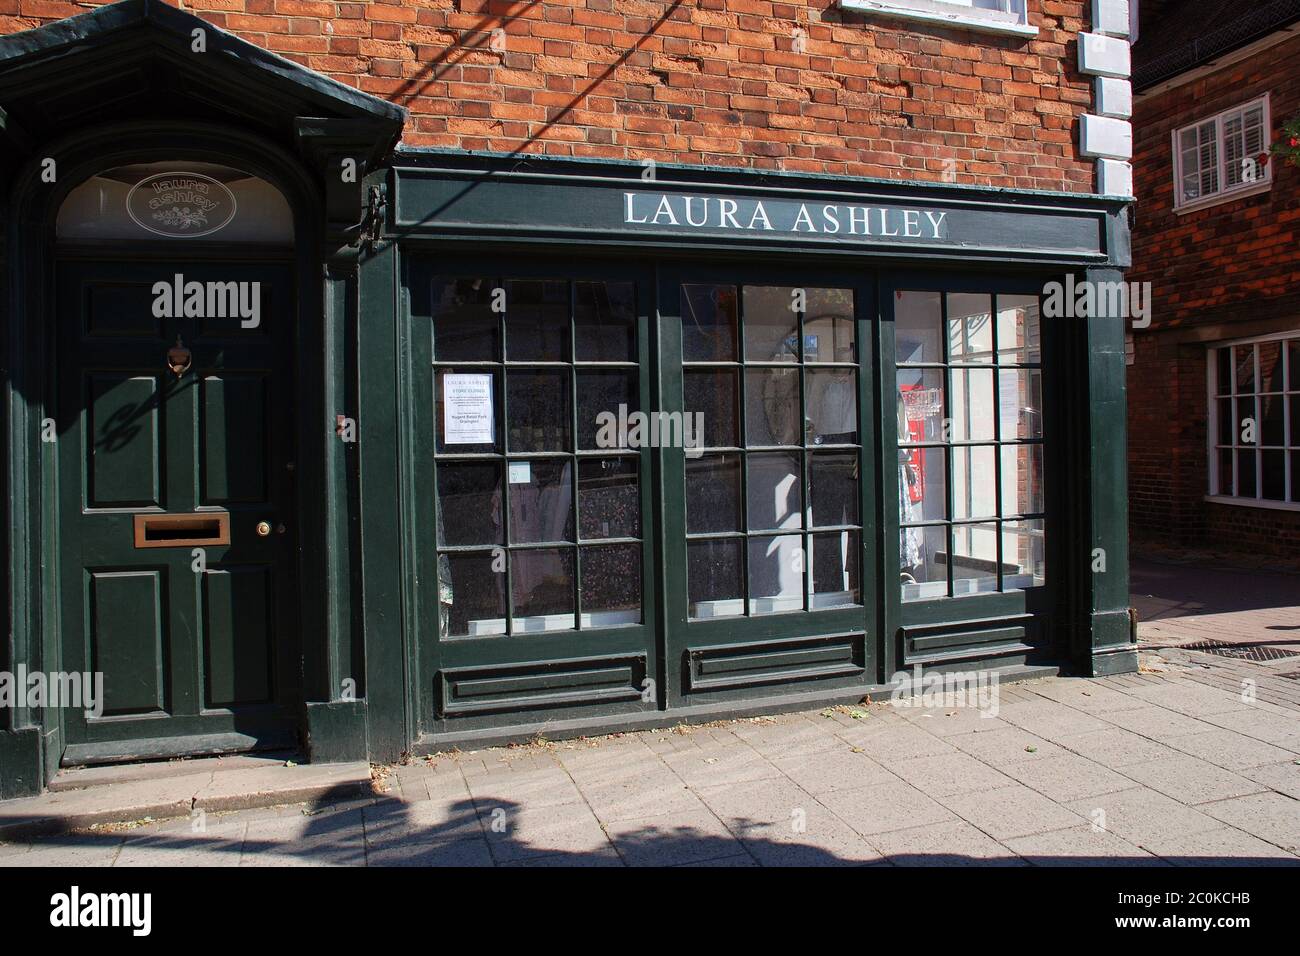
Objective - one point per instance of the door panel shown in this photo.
(127, 613)
(124, 453)
(238, 635)
(196, 639)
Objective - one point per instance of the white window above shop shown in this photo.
(1254, 422)
(1222, 157)
(988, 16)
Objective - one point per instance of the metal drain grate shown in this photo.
(1243, 652)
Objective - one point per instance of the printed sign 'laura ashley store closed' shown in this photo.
(711, 212)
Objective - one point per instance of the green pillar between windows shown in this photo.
(1104, 640)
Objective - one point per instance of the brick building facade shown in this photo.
(362, 507)
(753, 84)
(1224, 262)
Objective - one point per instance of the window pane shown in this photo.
(1245, 413)
(611, 585)
(714, 582)
(833, 488)
(1223, 362)
(708, 323)
(1246, 474)
(774, 490)
(974, 550)
(606, 399)
(923, 558)
(832, 406)
(1226, 457)
(604, 314)
(539, 410)
(1209, 159)
(923, 489)
(537, 320)
(1225, 422)
(971, 404)
(473, 415)
(1019, 329)
(1293, 363)
(1234, 149)
(1020, 397)
(609, 498)
(541, 582)
(469, 503)
(771, 324)
(772, 406)
(1272, 420)
(776, 566)
(1295, 421)
(970, 328)
(1244, 358)
(1274, 475)
(1022, 479)
(713, 494)
(828, 326)
(1295, 476)
(712, 393)
(920, 404)
(472, 595)
(541, 500)
(1023, 555)
(917, 333)
(1270, 366)
(833, 579)
(974, 482)
(465, 329)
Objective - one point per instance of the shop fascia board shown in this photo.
(414, 218)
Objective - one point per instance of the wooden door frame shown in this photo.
(31, 395)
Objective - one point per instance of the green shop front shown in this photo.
(385, 451)
(674, 443)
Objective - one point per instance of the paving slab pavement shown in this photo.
(1195, 760)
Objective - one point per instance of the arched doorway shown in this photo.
(174, 304)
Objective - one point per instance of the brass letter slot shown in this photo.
(181, 531)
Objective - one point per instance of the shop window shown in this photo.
(539, 507)
(1219, 157)
(970, 439)
(1254, 422)
(772, 498)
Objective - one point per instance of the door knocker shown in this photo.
(179, 358)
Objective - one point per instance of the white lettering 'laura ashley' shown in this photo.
(709, 212)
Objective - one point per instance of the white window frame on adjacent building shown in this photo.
(988, 16)
(1219, 145)
(1251, 400)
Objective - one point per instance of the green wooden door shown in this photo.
(168, 586)
(769, 521)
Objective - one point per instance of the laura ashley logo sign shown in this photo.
(714, 213)
(180, 204)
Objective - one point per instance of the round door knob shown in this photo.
(263, 529)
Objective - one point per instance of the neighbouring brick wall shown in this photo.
(1242, 253)
(745, 83)
(1229, 270)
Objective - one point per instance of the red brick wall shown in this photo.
(1247, 251)
(720, 82)
(1226, 271)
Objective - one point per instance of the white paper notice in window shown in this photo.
(467, 409)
